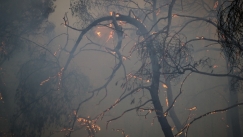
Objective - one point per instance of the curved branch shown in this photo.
(126, 112)
(206, 114)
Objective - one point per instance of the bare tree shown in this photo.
(164, 55)
(153, 35)
(230, 30)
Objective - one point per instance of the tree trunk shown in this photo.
(155, 97)
(233, 116)
(172, 113)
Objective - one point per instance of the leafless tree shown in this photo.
(164, 53)
(151, 34)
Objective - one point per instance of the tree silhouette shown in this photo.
(230, 30)
(31, 19)
(164, 55)
(152, 52)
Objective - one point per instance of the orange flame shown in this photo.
(216, 4)
(110, 36)
(193, 108)
(98, 33)
(167, 102)
(165, 86)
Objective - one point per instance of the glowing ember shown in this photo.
(1, 97)
(90, 124)
(98, 33)
(164, 86)
(44, 81)
(215, 66)
(174, 15)
(193, 108)
(167, 102)
(215, 5)
(117, 15)
(173, 128)
(110, 36)
(199, 37)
